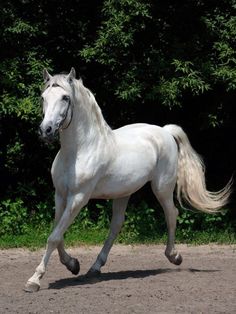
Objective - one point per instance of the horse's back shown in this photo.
(137, 128)
(146, 134)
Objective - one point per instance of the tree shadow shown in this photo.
(120, 275)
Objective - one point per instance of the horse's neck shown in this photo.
(87, 129)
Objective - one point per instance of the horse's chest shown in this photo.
(59, 178)
(61, 173)
(71, 176)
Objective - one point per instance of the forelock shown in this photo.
(59, 80)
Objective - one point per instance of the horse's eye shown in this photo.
(65, 98)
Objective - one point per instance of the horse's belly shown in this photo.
(126, 176)
(112, 189)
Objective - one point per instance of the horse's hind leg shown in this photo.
(165, 197)
(118, 217)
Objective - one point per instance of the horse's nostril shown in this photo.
(48, 130)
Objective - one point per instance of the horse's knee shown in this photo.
(54, 240)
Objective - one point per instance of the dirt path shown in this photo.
(136, 279)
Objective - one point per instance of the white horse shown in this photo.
(97, 162)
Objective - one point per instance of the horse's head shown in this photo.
(57, 98)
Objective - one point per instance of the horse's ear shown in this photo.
(46, 75)
(71, 75)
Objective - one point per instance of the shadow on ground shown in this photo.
(121, 275)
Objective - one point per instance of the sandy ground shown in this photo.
(136, 279)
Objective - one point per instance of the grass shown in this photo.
(143, 224)
(37, 238)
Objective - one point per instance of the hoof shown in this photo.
(31, 287)
(73, 266)
(93, 273)
(176, 259)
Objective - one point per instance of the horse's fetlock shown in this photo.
(102, 258)
(40, 270)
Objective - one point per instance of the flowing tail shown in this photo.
(191, 185)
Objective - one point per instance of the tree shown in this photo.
(162, 51)
(146, 61)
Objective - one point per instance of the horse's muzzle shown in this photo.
(47, 133)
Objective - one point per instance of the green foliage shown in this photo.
(121, 18)
(186, 79)
(189, 222)
(164, 51)
(143, 224)
(23, 59)
(104, 216)
(114, 44)
(190, 78)
(223, 27)
(186, 222)
(140, 223)
(147, 61)
(83, 220)
(13, 217)
(23, 102)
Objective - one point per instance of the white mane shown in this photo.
(91, 106)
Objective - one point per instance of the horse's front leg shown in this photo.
(71, 263)
(118, 217)
(74, 204)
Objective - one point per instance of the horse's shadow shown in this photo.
(120, 275)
